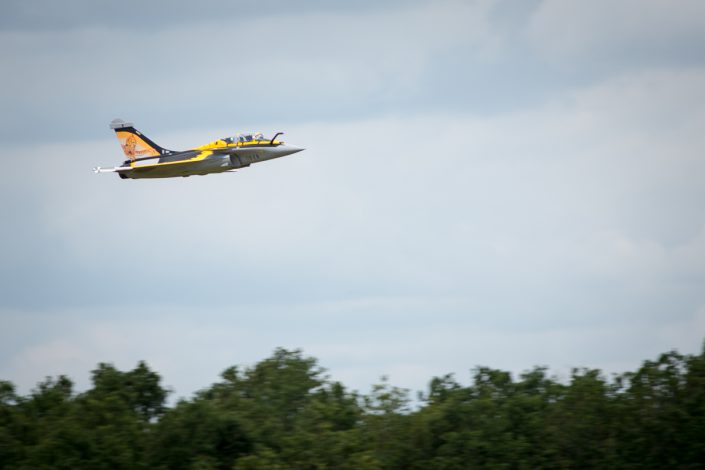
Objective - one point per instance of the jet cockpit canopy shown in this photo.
(241, 138)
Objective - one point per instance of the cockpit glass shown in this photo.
(258, 136)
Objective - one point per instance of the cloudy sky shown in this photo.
(485, 182)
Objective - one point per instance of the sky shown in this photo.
(497, 183)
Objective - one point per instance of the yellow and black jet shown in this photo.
(145, 159)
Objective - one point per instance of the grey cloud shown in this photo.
(619, 35)
(481, 58)
(134, 15)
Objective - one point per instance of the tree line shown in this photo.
(285, 413)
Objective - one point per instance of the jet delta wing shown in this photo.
(146, 159)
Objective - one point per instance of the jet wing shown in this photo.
(191, 158)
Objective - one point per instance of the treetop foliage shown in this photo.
(284, 413)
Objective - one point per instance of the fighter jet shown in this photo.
(145, 159)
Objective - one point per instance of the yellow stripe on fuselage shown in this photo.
(220, 144)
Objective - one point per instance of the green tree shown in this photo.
(42, 427)
(10, 445)
(693, 402)
(269, 397)
(287, 407)
(103, 428)
(195, 434)
(661, 408)
(386, 425)
(579, 424)
(117, 414)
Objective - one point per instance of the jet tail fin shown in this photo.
(134, 143)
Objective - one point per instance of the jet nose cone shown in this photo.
(286, 149)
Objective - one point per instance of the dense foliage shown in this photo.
(284, 413)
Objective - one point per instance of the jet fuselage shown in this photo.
(146, 159)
